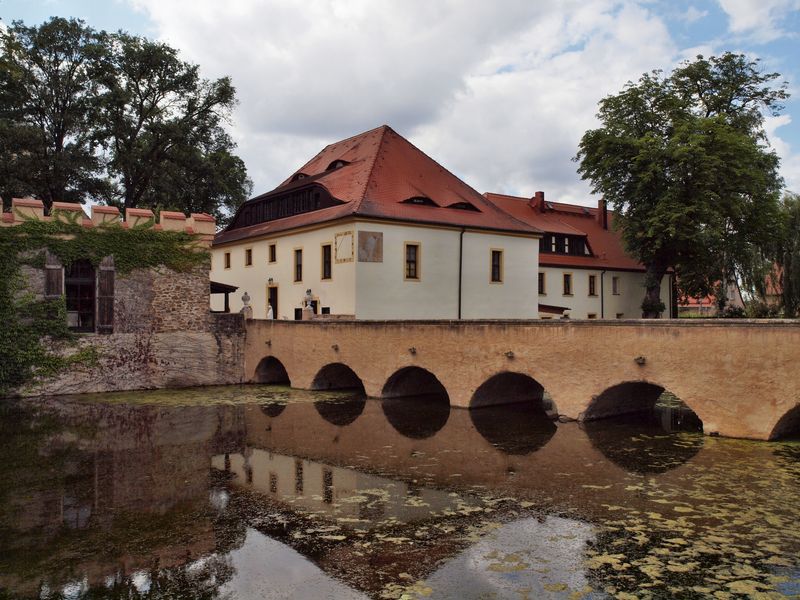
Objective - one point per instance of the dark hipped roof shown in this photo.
(382, 170)
(570, 219)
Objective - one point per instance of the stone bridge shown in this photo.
(741, 378)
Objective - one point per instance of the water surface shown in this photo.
(264, 492)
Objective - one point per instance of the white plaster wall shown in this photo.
(627, 303)
(337, 293)
(382, 292)
(517, 296)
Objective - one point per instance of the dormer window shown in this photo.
(553, 243)
(299, 176)
(420, 200)
(337, 164)
(464, 206)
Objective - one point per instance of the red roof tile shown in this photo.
(382, 170)
(570, 219)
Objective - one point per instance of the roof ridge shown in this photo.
(360, 201)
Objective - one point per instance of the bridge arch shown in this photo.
(271, 370)
(508, 387)
(337, 376)
(629, 398)
(413, 382)
(788, 426)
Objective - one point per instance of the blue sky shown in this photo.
(499, 93)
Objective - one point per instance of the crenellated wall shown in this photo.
(163, 334)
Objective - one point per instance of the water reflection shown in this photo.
(646, 442)
(516, 429)
(273, 409)
(111, 499)
(341, 412)
(417, 417)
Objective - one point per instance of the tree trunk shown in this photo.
(652, 306)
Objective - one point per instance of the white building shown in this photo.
(376, 229)
(583, 267)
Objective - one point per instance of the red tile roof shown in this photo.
(570, 219)
(382, 170)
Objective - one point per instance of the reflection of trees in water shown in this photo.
(417, 417)
(341, 412)
(516, 429)
(648, 442)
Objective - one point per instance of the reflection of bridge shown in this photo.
(741, 378)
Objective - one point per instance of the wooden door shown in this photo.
(272, 299)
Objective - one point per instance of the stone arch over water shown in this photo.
(337, 376)
(410, 382)
(630, 398)
(509, 412)
(508, 387)
(271, 370)
(788, 426)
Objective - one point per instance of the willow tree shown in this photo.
(684, 161)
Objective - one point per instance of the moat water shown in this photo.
(265, 492)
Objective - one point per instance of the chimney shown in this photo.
(602, 213)
(537, 202)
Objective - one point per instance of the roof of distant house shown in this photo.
(558, 218)
(379, 174)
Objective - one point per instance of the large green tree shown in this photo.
(162, 124)
(684, 161)
(86, 115)
(788, 256)
(48, 96)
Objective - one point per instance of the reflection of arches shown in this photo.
(640, 444)
(337, 376)
(413, 381)
(788, 426)
(508, 388)
(271, 370)
(623, 399)
(341, 412)
(514, 429)
(273, 409)
(417, 417)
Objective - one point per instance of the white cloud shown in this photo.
(693, 14)
(758, 19)
(790, 157)
(498, 94)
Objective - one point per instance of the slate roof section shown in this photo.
(382, 170)
(571, 219)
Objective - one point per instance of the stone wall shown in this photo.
(150, 360)
(740, 377)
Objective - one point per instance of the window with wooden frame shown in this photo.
(496, 266)
(542, 284)
(593, 285)
(326, 261)
(227, 260)
(298, 264)
(567, 284)
(615, 286)
(272, 255)
(412, 252)
(248, 257)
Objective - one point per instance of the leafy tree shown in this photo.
(788, 256)
(162, 126)
(113, 118)
(48, 94)
(683, 159)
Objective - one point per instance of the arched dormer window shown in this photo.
(337, 164)
(420, 200)
(464, 206)
(299, 176)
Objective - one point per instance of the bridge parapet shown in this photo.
(740, 376)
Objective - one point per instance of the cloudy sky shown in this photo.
(498, 92)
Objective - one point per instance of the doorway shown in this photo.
(272, 299)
